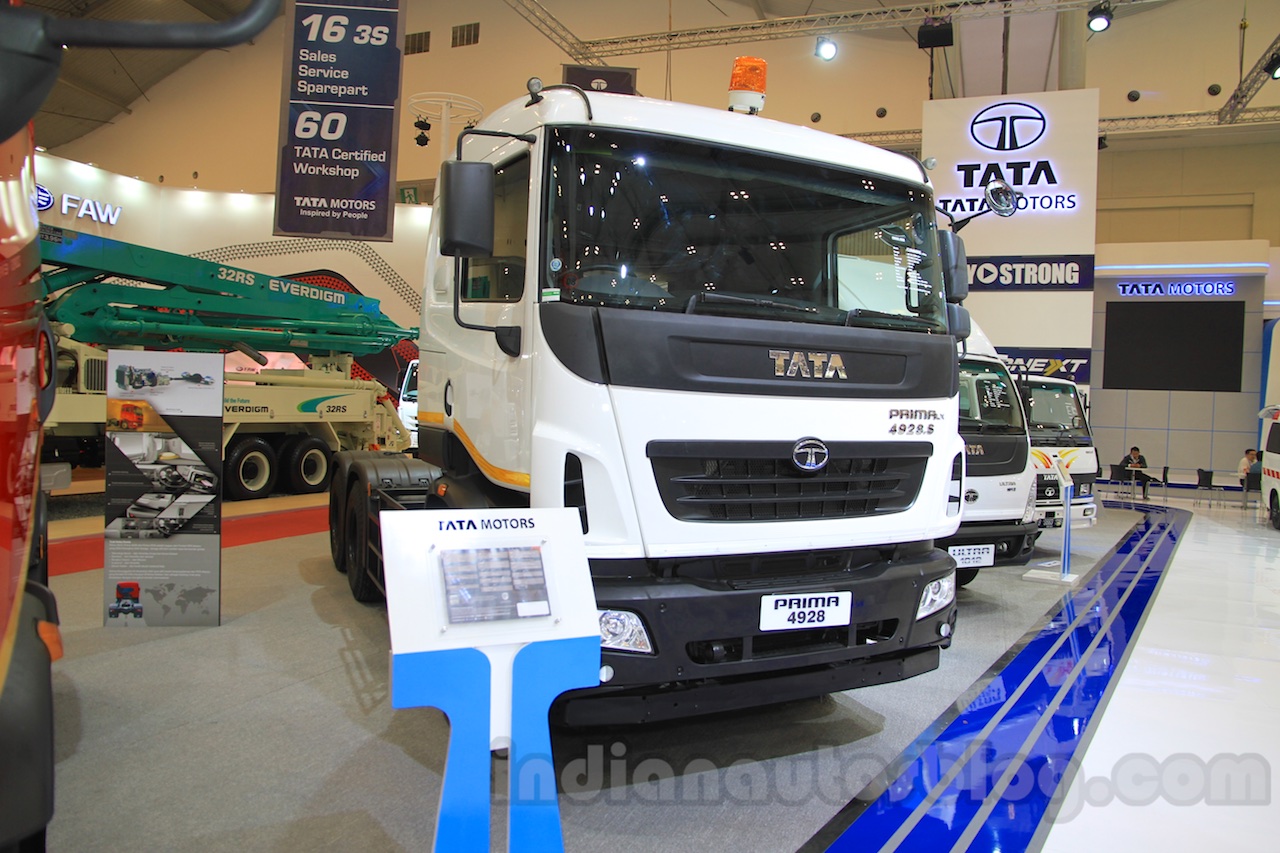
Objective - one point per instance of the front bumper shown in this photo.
(710, 654)
(1014, 542)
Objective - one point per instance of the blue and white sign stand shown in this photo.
(1065, 575)
(493, 616)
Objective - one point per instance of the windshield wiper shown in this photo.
(882, 318)
(691, 306)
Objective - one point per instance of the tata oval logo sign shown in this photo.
(810, 454)
(1009, 126)
(44, 198)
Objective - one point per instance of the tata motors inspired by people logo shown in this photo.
(1010, 126)
(1012, 140)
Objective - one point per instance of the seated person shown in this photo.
(1246, 464)
(1135, 459)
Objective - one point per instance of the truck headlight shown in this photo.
(936, 596)
(624, 631)
(1029, 511)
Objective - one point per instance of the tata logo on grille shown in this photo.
(810, 454)
(1008, 126)
(971, 496)
(809, 365)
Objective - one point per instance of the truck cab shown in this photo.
(729, 343)
(1060, 440)
(408, 405)
(998, 519)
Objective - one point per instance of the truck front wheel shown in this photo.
(250, 469)
(356, 531)
(305, 463)
(1275, 511)
(966, 576)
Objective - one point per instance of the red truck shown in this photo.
(31, 46)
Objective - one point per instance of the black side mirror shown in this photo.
(466, 202)
(958, 322)
(955, 266)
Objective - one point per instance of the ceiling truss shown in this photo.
(910, 140)
(907, 14)
(1235, 106)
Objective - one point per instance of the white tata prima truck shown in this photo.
(998, 518)
(730, 343)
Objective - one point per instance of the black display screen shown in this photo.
(1174, 346)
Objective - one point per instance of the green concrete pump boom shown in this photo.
(117, 294)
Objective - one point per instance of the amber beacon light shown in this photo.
(746, 85)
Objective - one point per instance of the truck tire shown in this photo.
(356, 532)
(337, 521)
(304, 461)
(1275, 511)
(964, 577)
(250, 469)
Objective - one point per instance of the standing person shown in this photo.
(1246, 464)
(1135, 460)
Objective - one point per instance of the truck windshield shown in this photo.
(1056, 412)
(988, 402)
(654, 223)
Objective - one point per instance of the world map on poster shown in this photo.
(169, 595)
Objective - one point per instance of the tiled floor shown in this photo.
(275, 732)
(1185, 755)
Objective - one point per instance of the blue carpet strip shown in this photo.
(985, 776)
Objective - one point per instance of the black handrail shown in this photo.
(85, 32)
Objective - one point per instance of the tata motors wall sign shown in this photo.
(1045, 146)
(338, 120)
(1196, 288)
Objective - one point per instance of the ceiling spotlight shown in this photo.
(1100, 16)
(826, 49)
(1273, 66)
(422, 124)
(422, 139)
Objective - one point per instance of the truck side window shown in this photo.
(1273, 439)
(501, 278)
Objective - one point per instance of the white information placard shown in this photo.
(493, 580)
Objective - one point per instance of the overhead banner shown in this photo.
(1045, 145)
(338, 119)
(163, 550)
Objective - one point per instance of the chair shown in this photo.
(1122, 476)
(1204, 485)
(1252, 483)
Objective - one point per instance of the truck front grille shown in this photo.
(757, 481)
(95, 375)
(1048, 488)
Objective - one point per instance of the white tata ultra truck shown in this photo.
(999, 524)
(730, 343)
(1060, 440)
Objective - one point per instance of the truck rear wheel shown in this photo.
(305, 464)
(356, 532)
(251, 468)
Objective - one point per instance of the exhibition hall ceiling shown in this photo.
(98, 86)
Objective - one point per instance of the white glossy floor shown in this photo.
(1186, 753)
